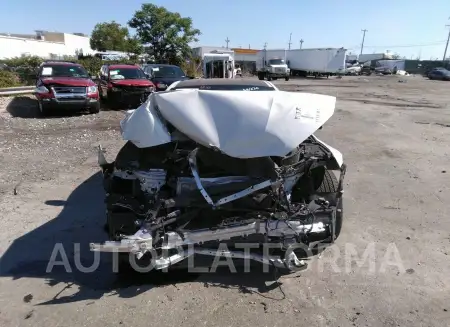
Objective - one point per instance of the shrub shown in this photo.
(8, 79)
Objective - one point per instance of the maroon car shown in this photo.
(124, 85)
(64, 86)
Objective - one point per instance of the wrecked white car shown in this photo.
(211, 165)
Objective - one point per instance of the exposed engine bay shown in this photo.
(185, 194)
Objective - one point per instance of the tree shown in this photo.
(166, 34)
(112, 36)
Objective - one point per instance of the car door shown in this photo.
(437, 74)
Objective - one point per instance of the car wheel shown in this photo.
(43, 110)
(95, 109)
(330, 184)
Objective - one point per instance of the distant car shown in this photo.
(163, 75)
(126, 85)
(64, 85)
(439, 74)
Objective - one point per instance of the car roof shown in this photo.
(123, 66)
(193, 83)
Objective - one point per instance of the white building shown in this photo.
(49, 45)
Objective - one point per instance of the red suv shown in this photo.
(64, 85)
(124, 85)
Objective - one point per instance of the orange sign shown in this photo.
(244, 51)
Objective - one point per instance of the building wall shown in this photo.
(76, 42)
(16, 47)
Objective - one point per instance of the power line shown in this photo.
(407, 45)
(364, 36)
(403, 45)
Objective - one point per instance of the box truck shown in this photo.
(316, 62)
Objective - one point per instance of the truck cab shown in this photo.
(271, 67)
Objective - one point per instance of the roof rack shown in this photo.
(67, 61)
(115, 64)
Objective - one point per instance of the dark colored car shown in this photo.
(439, 74)
(164, 75)
(224, 84)
(124, 85)
(63, 85)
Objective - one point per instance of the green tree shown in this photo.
(166, 34)
(113, 36)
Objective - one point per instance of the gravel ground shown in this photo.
(394, 134)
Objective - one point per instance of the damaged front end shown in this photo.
(179, 197)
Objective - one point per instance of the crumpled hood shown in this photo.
(132, 82)
(241, 124)
(69, 81)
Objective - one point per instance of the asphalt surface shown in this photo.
(394, 134)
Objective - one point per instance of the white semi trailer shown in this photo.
(271, 64)
(316, 62)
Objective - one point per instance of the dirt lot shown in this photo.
(395, 137)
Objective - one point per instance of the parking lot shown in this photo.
(394, 133)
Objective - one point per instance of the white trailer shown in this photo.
(374, 56)
(317, 62)
(271, 64)
(218, 65)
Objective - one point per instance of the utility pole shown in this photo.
(301, 43)
(362, 44)
(265, 45)
(227, 41)
(446, 45)
(290, 39)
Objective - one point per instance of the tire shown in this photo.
(260, 76)
(269, 78)
(95, 109)
(330, 184)
(44, 111)
(286, 78)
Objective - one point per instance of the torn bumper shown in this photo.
(189, 244)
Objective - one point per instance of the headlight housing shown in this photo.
(41, 90)
(92, 89)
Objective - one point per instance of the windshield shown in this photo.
(167, 71)
(64, 71)
(126, 73)
(276, 62)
